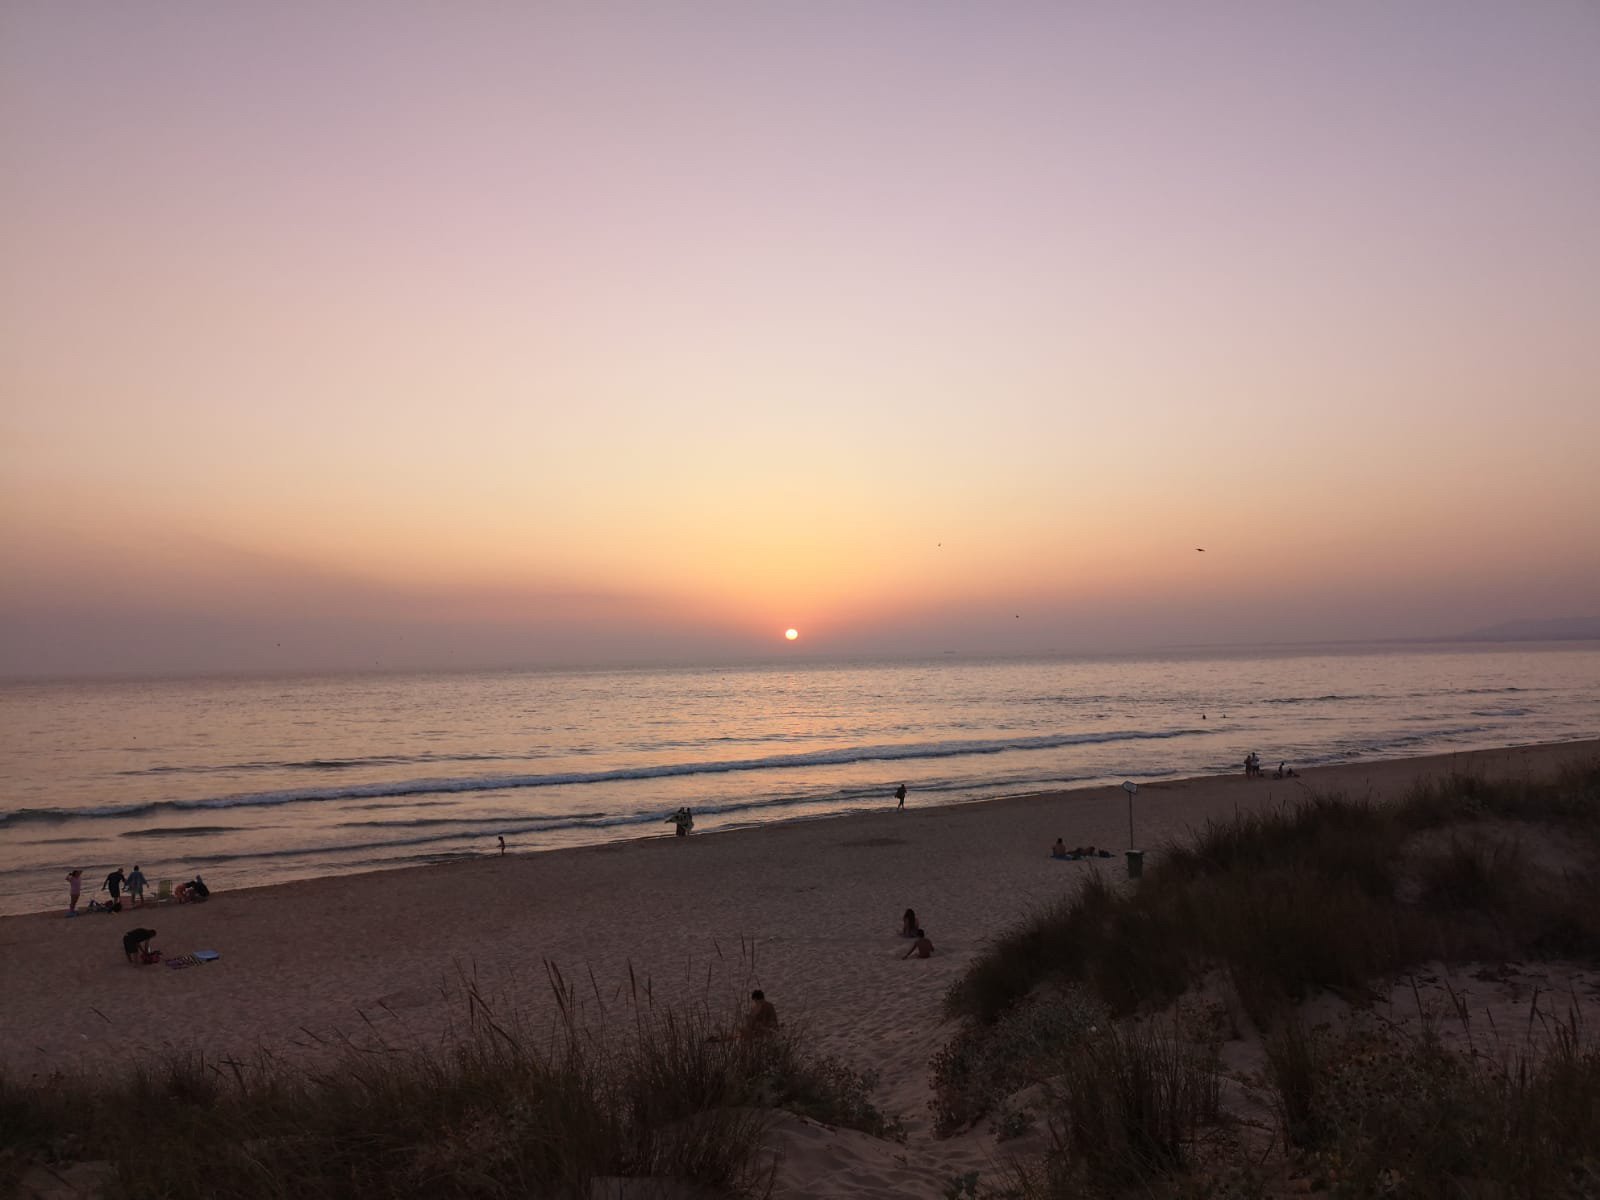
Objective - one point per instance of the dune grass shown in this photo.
(1305, 897)
(495, 1112)
(1327, 894)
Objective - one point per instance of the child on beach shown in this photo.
(908, 924)
(922, 947)
(75, 887)
(1059, 850)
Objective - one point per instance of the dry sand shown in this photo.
(808, 911)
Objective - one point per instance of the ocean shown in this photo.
(263, 780)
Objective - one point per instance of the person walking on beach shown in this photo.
(502, 846)
(136, 882)
(113, 884)
(900, 795)
(74, 887)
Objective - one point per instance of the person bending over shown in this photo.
(922, 947)
(136, 943)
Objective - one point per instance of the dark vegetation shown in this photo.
(1308, 897)
(1330, 894)
(498, 1113)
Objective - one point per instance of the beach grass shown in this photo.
(664, 1094)
(1311, 896)
(1329, 894)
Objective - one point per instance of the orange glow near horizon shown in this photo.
(627, 338)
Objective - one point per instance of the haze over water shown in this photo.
(268, 779)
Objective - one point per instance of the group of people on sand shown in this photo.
(1059, 850)
(1252, 768)
(133, 883)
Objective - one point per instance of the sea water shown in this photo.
(260, 780)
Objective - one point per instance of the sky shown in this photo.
(416, 335)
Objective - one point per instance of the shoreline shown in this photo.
(1086, 792)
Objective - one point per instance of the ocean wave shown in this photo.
(433, 787)
(179, 831)
(322, 764)
(1314, 699)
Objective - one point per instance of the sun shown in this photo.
(791, 634)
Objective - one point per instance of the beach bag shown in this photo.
(149, 956)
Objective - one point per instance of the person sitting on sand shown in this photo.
(136, 943)
(922, 947)
(762, 1019)
(908, 924)
(1059, 850)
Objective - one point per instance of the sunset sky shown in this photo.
(499, 333)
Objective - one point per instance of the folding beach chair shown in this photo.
(164, 891)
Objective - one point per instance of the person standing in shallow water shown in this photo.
(900, 795)
(136, 882)
(75, 887)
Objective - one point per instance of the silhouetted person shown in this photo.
(900, 795)
(761, 1020)
(922, 947)
(136, 943)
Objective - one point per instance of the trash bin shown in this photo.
(1135, 864)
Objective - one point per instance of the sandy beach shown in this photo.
(807, 911)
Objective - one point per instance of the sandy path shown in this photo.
(807, 911)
